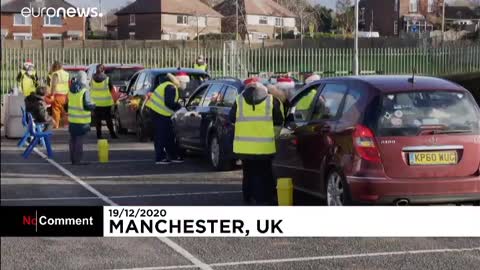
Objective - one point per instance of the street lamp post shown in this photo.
(236, 26)
(443, 20)
(355, 47)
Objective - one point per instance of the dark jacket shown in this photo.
(254, 97)
(36, 105)
(100, 77)
(81, 129)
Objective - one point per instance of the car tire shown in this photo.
(337, 191)
(140, 131)
(216, 155)
(117, 125)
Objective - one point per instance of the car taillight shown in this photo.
(364, 143)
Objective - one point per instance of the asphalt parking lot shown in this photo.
(131, 178)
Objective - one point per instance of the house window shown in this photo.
(182, 19)
(19, 19)
(431, 6)
(52, 21)
(52, 36)
(263, 20)
(413, 6)
(22, 36)
(132, 19)
(131, 35)
(395, 27)
(279, 22)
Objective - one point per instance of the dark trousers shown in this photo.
(164, 137)
(103, 113)
(258, 181)
(76, 148)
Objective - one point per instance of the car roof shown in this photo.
(74, 67)
(399, 83)
(114, 65)
(193, 71)
(228, 81)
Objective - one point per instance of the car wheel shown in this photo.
(117, 125)
(337, 190)
(140, 130)
(216, 155)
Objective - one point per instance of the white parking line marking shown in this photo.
(317, 258)
(123, 196)
(161, 267)
(68, 163)
(347, 256)
(234, 176)
(197, 262)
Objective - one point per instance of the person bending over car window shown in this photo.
(163, 103)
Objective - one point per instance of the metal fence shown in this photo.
(240, 62)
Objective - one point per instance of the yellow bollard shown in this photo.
(285, 191)
(103, 151)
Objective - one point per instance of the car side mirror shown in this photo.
(182, 102)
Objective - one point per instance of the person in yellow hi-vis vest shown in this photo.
(79, 116)
(27, 78)
(101, 89)
(163, 103)
(255, 114)
(59, 88)
(200, 64)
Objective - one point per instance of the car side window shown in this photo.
(351, 109)
(131, 85)
(229, 97)
(213, 95)
(328, 103)
(300, 110)
(140, 80)
(197, 97)
(147, 84)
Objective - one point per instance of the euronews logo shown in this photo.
(61, 12)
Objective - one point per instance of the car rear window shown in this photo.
(409, 113)
(121, 74)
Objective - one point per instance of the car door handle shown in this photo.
(324, 129)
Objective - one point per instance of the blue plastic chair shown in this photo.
(37, 137)
(26, 135)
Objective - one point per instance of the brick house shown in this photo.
(390, 17)
(261, 19)
(15, 26)
(167, 20)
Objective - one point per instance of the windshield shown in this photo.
(442, 112)
(121, 74)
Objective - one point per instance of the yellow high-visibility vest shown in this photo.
(76, 113)
(62, 83)
(254, 130)
(100, 92)
(157, 100)
(201, 67)
(27, 84)
(306, 102)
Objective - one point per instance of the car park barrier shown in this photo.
(285, 191)
(103, 151)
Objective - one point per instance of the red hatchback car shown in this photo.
(383, 140)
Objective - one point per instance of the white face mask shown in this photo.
(30, 72)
